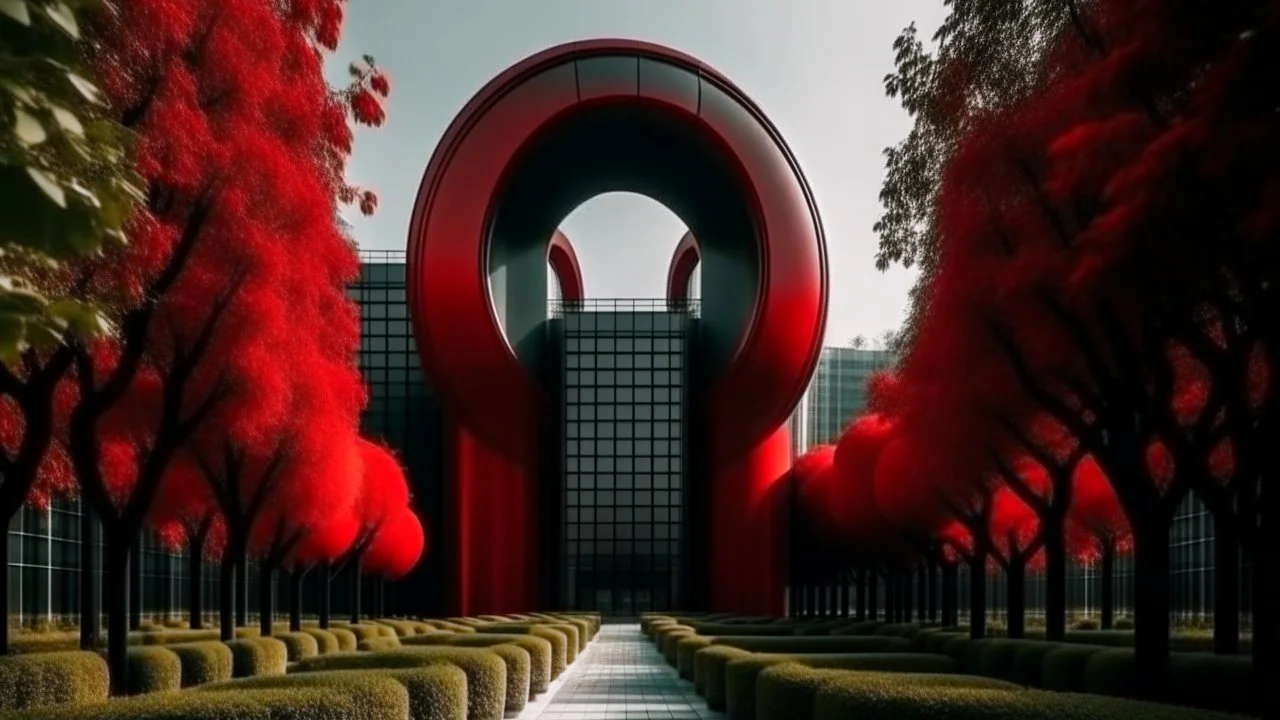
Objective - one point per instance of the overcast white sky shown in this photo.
(816, 67)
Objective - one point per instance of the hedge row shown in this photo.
(446, 669)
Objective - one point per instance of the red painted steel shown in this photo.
(684, 260)
(500, 406)
(564, 263)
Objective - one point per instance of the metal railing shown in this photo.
(560, 307)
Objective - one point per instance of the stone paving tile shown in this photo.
(623, 677)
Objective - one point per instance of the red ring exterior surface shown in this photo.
(465, 352)
(564, 263)
(684, 260)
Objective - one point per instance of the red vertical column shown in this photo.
(749, 528)
(495, 521)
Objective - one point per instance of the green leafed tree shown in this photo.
(987, 54)
(66, 184)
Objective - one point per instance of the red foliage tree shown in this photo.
(394, 552)
(853, 507)
(384, 493)
(230, 106)
(1098, 530)
(186, 518)
(815, 485)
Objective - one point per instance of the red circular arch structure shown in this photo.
(508, 170)
(684, 261)
(564, 263)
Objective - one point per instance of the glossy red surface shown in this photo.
(684, 261)
(499, 405)
(564, 263)
(749, 529)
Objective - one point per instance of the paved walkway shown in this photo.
(622, 676)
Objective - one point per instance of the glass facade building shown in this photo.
(838, 389)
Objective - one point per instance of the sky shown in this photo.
(815, 67)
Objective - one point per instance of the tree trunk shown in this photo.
(950, 594)
(932, 569)
(823, 599)
(266, 598)
(922, 592)
(355, 589)
(890, 597)
(4, 588)
(1107, 586)
(195, 585)
(295, 601)
(860, 594)
(873, 594)
(117, 561)
(242, 590)
(88, 577)
(1017, 605)
(1055, 582)
(1151, 610)
(381, 589)
(908, 598)
(166, 587)
(978, 596)
(135, 585)
(326, 579)
(842, 596)
(227, 598)
(1266, 624)
(1226, 584)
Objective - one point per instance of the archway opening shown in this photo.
(624, 242)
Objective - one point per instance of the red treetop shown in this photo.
(397, 547)
(816, 482)
(852, 504)
(1014, 525)
(384, 492)
(885, 394)
(1096, 516)
(909, 484)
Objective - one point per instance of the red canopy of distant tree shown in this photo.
(816, 486)
(1096, 516)
(852, 506)
(384, 491)
(397, 547)
(911, 479)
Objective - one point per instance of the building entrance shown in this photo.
(623, 394)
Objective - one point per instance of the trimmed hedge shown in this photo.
(670, 642)
(486, 671)
(539, 650)
(24, 643)
(741, 676)
(364, 631)
(203, 662)
(1200, 680)
(364, 698)
(170, 637)
(741, 630)
(347, 641)
(518, 671)
(568, 632)
(52, 679)
(789, 691)
(406, 628)
(153, 669)
(378, 644)
(254, 657)
(816, 644)
(559, 644)
(686, 648)
(902, 701)
(326, 641)
(1063, 668)
(451, 626)
(299, 645)
(709, 665)
(435, 693)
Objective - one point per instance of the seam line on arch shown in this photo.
(577, 82)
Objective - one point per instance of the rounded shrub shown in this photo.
(518, 672)
(246, 633)
(685, 650)
(865, 627)
(1123, 623)
(559, 643)
(934, 642)
(436, 692)
(1028, 663)
(647, 621)
(298, 645)
(542, 630)
(25, 643)
(740, 630)
(203, 662)
(915, 701)
(153, 668)
(741, 675)
(170, 637)
(539, 651)
(955, 647)
(365, 698)
(486, 672)
(326, 641)
(1063, 669)
(709, 665)
(346, 639)
(379, 643)
(791, 690)
(367, 631)
(1213, 682)
(670, 642)
(254, 657)
(1111, 673)
(450, 626)
(52, 679)
(816, 644)
(997, 657)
